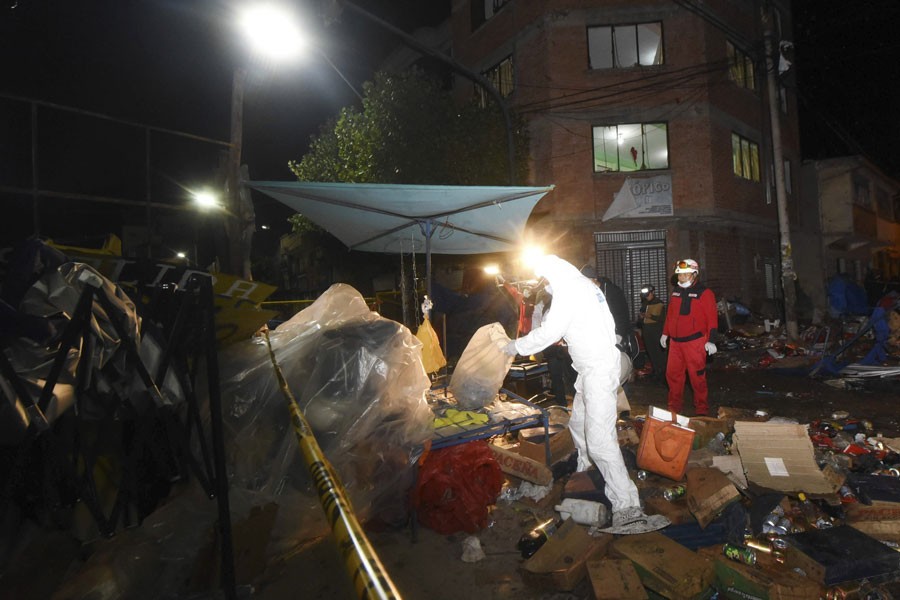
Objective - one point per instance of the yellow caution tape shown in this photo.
(369, 577)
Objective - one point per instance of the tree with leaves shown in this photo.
(410, 131)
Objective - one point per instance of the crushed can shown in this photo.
(674, 492)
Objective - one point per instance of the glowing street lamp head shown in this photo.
(492, 269)
(272, 31)
(207, 200)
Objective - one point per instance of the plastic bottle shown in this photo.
(531, 542)
(718, 445)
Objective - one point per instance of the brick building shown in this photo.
(651, 118)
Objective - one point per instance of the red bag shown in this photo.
(456, 486)
(664, 448)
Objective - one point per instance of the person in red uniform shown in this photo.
(691, 322)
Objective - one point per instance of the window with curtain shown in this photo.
(624, 46)
(740, 67)
(745, 157)
(631, 147)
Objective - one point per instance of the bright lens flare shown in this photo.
(272, 31)
(206, 200)
(492, 269)
(530, 256)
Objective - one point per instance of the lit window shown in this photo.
(631, 147)
(740, 67)
(623, 46)
(745, 155)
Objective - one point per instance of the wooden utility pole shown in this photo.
(239, 216)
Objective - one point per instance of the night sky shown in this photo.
(169, 63)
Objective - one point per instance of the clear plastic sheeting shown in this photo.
(358, 379)
(481, 368)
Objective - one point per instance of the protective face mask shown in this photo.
(685, 284)
(549, 289)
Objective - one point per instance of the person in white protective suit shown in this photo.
(581, 316)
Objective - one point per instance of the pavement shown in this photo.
(421, 563)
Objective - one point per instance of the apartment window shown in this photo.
(740, 67)
(623, 46)
(631, 147)
(501, 77)
(861, 196)
(745, 156)
(883, 204)
(482, 10)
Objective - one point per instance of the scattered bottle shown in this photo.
(740, 553)
(674, 492)
(718, 445)
(532, 541)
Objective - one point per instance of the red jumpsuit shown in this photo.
(691, 319)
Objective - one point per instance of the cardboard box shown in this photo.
(883, 531)
(665, 566)
(532, 443)
(561, 563)
(520, 466)
(762, 581)
(676, 511)
(709, 491)
(839, 554)
(780, 457)
(613, 579)
(879, 498)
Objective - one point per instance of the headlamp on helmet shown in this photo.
(647, 290)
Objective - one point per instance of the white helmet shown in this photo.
(688, 265)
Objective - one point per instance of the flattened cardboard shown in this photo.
(520, 466)
(709, 491)
(615, 579)
(665, 566)
(730, 464)
(531, 444)
(561, 563)
(780, 457)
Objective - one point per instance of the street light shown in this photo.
(272, 32)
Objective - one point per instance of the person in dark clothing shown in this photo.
(651, 319)
(479, 303)
(618, 306)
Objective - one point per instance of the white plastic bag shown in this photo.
(481, 369)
